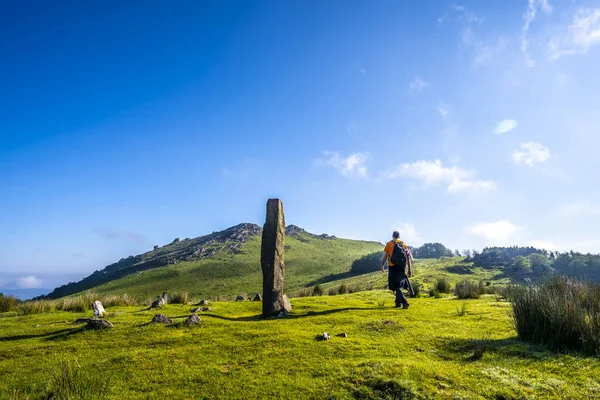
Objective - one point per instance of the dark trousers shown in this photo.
(400, 298)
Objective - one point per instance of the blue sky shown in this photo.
(127, 124)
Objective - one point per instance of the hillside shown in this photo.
(428, 351)
(225, 263)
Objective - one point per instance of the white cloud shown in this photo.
(583, 33)
(583, 246)
(505, 126)
(352, 166)
(418, 84)
(498, 233)
(408, 233)
(443, 111)
(532, 8)
(29, 282)
(473, 187)
(531, 153)
(581, 207)
(434, 173)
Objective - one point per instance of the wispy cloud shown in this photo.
(408, 233)
(443, 111)
(123, 234)
(29, 282)
(533, 6)
(584, 246)
(434, 173)
(497, 233)
(530, 154)
(351, 166)
(581, 208)
(418, 84)
(583, 33)
(505, 126)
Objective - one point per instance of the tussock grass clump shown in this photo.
(332, 292)
(442, 285)
(179, 298)
(353, 289)
(317, 290)
(37, 307)
(304, 292)
(8, 303)
(462, 310)
(74, 304)
(343, 289)
(117, 300)
(561, 313)
(467, 289)
(73, 382)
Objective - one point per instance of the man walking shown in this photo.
(398, 257)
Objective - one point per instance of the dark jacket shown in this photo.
(397, 279)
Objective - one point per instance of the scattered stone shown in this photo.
(240, 298)
(203, 303)
(98, 309)
(165, 297)
(158, 303)
(195, 310)
(258, 297)
(161, 319)
(80, 321)
(326, 336)
(206, 309)
(287, 306)
(94, 323)
(272, 259)
(193, 319)
(343, 334)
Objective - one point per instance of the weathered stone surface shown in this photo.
(272, 258)
(195, 310)
(98, 309)
(326, 336)
(206, 309)
(203, 303)
(240, 298)
(343, 334)
(161, 319)
(158, 303)
(94, 323)
(258, 297)
(80, 321)
(193, 319)
(287, 306)
(165, 297)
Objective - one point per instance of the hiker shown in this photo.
(399, 261)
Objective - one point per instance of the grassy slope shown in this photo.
(229, 274)
(426, 350)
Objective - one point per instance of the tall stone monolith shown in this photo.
(271, 260)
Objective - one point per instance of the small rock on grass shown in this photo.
(161, 319)
(326, 336)
(94, 323)
(193, 319)
(343, 334)
(240, 298)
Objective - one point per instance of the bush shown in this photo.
(560, 313)
(353, 289)
(468, 289)
(304, 292)
(369, 263)
(443, 286)
(70, 381)
(8, 303)
(417, 289)
(342, 289)
(317, 290)
(179, 298)
(435, 294)
(332, 292)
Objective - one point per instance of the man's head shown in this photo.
(396, 235)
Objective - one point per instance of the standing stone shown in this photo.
(98, 309)
(165, 297)
(258, 297)
(271, 259)
(161, 319)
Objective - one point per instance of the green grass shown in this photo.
(427, 351)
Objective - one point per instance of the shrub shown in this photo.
(435, 294)
(332, 292)
(443, 286)
(462, 310)
(179, 298)
(317, 290)
(416, 289)
(353, 289)
(304, 292)
(70, 381)
(342, 289)
(561, 313)
(8, 303)
(468, 290)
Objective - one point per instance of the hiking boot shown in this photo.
(405, 306)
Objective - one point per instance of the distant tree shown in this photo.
(457, 253)
(467, 253)
(521, 263)
(155, 247)
(431, 250)
(539, 260)
(365, 264)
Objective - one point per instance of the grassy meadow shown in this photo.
(439, 348)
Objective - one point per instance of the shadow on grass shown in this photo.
(470, 350)
(56, 335)
(292, 315)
